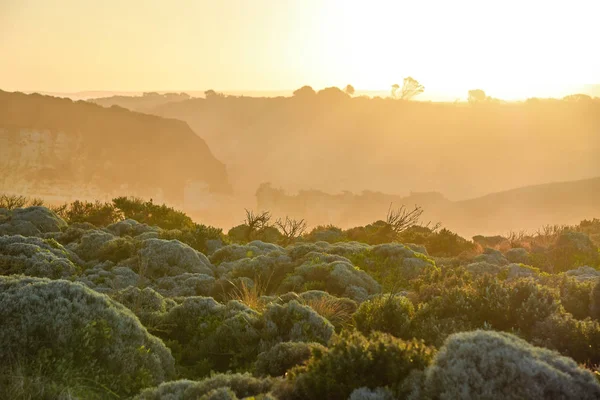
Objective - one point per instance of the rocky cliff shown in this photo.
(54, 146)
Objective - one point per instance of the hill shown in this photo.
(526, 208)
(331, 142)
(57, 147)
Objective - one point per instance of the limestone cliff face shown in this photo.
(55, 146)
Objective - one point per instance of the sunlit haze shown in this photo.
(511, 49)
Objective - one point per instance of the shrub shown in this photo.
(235, 252)
(102, 246)
(74, 336)
(530, 302)
(199, 237)
(336, 310)
(294, 322)
(31, 221)
(32, 256)
(185, 285)
(268, 269)
(442, 243)
(205, 335)
(243, 385)
(577, 339)
(387, 313)
(392, 264)
(280, 358)
(106, 278)
(147, 212)
(480, 364)
(12, 201)
(328, 233)
(160, 258)
(575, 296)
(364, 393)
(518, 255)
(146, 304)
(130, 227)
(354, 361)
(97, 213)
(337, 278)
(573, 249)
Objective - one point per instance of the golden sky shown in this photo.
(509, 48)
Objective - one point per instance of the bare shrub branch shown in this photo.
(401, 218)
(291, 228)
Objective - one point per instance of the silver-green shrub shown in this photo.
(243, 385)
(63, 329)
(31, 221)
(33, 256)
(130, 227)
(339, 278)
(235, 252)
(158, 258)
(364, 393)
(106, 277)
(186, 284)
(495, 365)
(294, 322)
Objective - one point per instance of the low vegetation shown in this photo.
(130, 299)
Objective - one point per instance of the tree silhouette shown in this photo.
(349, 89)
(304, 92)
(476, 96)
(411, 88)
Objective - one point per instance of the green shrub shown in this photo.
(146, 212)
(198, 237)
(75, 337)
(97, 213)
(442, 243)
(572, 250)
(575, 296)
(574, 338)
(325, 233)
(386, 313)
(492, 365)
(283, 356)
(393, 265)
(205, 335)
(354, 361)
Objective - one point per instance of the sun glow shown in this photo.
(510, 48)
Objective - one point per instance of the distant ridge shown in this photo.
(528, 207)
(55, 144)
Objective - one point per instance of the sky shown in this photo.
(510, 49)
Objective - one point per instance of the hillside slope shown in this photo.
(497, 213)
(331, 142)
(57, 146)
